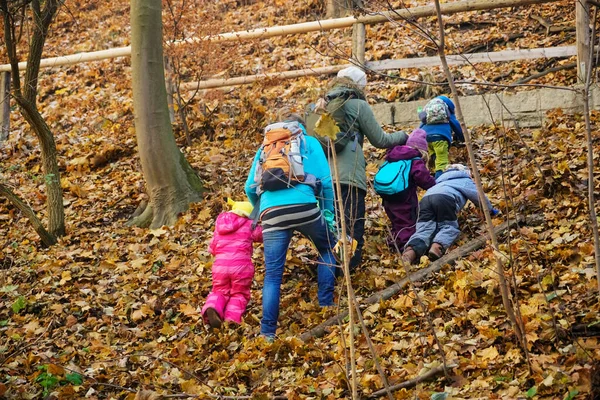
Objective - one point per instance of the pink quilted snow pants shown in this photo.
(231, 292)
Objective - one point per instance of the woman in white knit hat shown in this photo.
(347, 105)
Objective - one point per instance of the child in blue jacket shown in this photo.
(439, 121)
(437, 227)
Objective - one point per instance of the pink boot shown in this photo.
(213, 310)
(235, 309)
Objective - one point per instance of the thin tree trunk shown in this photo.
(590, 150)
(346, 255)
(171, 182)
(4, 105)
(26, 97)
(337, 8)
(503, 283)
(47, 238)
(54, 194)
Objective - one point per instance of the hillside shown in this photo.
(111, 311)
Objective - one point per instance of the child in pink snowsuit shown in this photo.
(232, 270)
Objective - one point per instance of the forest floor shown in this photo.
(112, 311)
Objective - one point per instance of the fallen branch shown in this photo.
(546, 72)
(412, 382)
(47, 238)
(503, 75)
(435, 266)
(585, 330)
(214, 396)
(490, 43)
(550, 27)
(23, 348)
(543, 21)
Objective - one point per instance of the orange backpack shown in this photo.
(280, 165)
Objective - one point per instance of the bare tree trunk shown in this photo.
(26, 98)
(338, 8)
(47, 238)
(171, 182)
(346, 255)
(503, 283)
(4, 105)
(54, 201)
(590, 148)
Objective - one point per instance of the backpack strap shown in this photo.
(255, 214)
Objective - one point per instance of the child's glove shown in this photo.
(330, 219)
(494, 212)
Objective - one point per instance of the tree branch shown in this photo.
(47, 238)
(412, 382)
(546, 72)
(510, 303)
(449, 258)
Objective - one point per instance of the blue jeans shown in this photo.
(276, 244)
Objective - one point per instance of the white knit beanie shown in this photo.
(357, 75)
(458, 167)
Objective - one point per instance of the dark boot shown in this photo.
(214, 320)
(436, 251)
(409, 256)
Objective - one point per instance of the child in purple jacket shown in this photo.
(402, 208)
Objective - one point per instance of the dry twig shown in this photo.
(420, 275)
(413, 382)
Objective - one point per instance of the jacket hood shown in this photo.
(452, 174)
(398, 153)
(229, 222)
(448, 102)
(341, 86)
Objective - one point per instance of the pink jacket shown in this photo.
(232, 240)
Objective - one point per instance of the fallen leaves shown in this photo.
(118, 293)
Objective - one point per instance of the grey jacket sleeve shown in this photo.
(370, 128)
(470, 192)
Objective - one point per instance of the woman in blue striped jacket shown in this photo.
(297, 208)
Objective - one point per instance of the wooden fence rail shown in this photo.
(358, 56)
(458, 59)
(304, 27)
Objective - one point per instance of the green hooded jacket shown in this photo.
(355, 114)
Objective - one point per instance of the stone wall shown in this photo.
(528, 107)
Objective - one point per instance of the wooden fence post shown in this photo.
(170, 88)
(358, 42)
(358, 36)
(582, 18)
(4, 105)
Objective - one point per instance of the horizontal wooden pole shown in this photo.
(375, 18)
(245, 80)
(304, 27)
(76, 58)
(459, 59)
(498, 56)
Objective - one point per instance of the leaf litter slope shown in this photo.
(121, 306)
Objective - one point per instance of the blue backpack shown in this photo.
(392, 177)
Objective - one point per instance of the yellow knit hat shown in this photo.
(241, 208)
